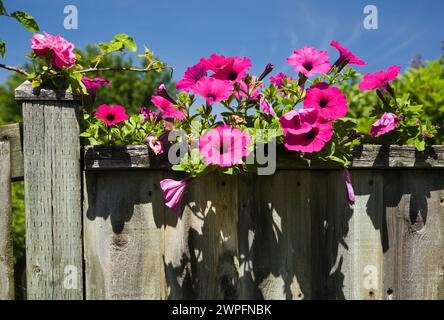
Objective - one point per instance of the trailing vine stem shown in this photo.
(147, 69)
(15, 69)
(23, 72)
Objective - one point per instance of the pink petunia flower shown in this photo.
(235, 71)
(278, 79)
(62, 55)
(346, 57)
(167, 109)
(265, 105)
(224, 146)
(309, 61)
(93, 84)
(386, 123)
(216, 62)
(213, 90)
(111, 114)
(155, 144)
(348, 184)
(380, 79)
(173, 192)
(148, 114)
(304, 131)
(330, 101)
(299, 121)
(243, 88)
(191, 77)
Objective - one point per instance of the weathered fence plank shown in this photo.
(353, 237)
(52, 194)
(275, 260)
(124, 236)
(416, 202)
(13, 133)
(292, 235)
(6, 255)
(209, 239)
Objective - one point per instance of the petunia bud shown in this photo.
(162, 91)
(341, 63)
(302, 80)
(351, 137)
(382, 97)
(391, 91)
(268, 68)
(173, 192)
(349, 187)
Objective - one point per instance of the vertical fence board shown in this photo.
(247, 237)
(52, 194)
(319, 226)
(275, 235)
(421, 254)
(356, 236)
(39, 239)
(6, 255)
(123, 227)
(13, 133)
(204, 264)
(394, 203)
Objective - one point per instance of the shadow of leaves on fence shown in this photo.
(285, 236)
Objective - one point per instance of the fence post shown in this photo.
(6, 256)
(54, 263)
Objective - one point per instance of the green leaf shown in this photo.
(107, 47)
(2, 49)
(130, 44)
(336, 159)
(158, 66)
(148, 55)
(36, 83)
(127, 41)
(420, 144)
(177, 167)
(257, 123)
(26, 20)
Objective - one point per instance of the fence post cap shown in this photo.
(26, 92)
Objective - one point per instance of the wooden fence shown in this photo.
(107, 235)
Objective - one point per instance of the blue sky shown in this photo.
(182, 31)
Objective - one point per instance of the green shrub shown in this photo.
(425, 86)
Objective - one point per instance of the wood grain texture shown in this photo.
(275, 236)
(52, 199)
(208, 245)
(6, 253)
(414, 257)
(354, 237)
(13, 133)
(123, 227)
(137, 157)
